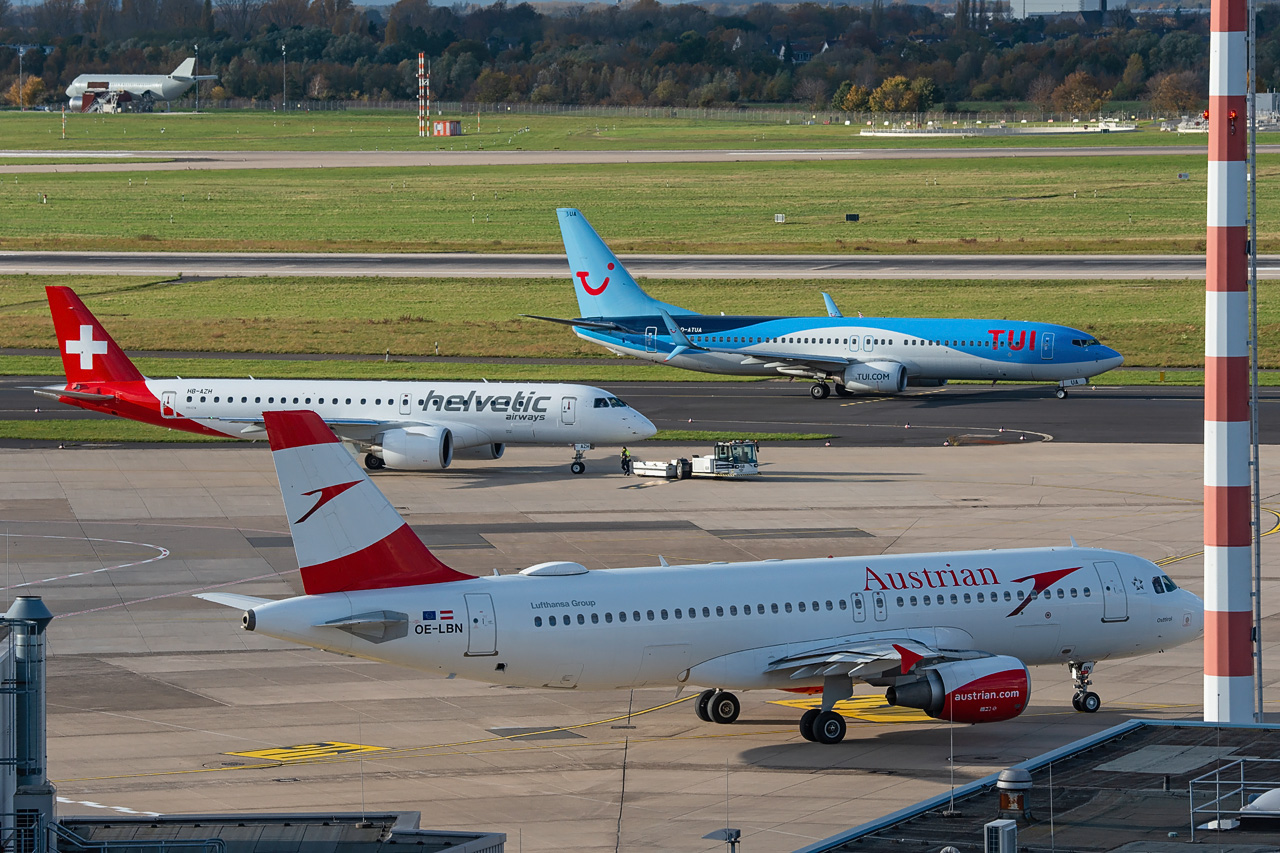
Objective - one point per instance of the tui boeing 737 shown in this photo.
(412, 426)
(857, 355)
(950, 632)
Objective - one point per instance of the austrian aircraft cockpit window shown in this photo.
(1161, 583)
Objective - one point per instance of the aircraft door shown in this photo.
(882, 609)
(406, 404)
(651, 339)
(868, 343)
(859, 608)
(1046, 346)
(568, 410)
(168, 404)
(1115, 599)
(853, 343)
(482, 627)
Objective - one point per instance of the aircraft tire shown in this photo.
(703, 703)
(374, 463)
(1061, 393)
(840, 390)
(806, 724)
(829, 727)
(578, 467)
(724, 708)
(820, 391)
(1090, 703)
(1075, 702)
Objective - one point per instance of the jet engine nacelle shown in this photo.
(482, 451)
(75, 104)
(984, 690)
(417, 448)
(875, 377)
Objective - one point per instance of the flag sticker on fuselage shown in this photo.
(437, 615)
(305, 751)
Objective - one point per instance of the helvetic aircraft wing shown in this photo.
(866, 658)
(355, 429)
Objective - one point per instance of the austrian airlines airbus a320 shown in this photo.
(857, 355)
(412, 426)
(951, 633)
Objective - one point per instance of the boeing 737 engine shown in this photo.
(414, 449)
(875, 377)
(985, 690)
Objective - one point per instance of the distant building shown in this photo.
(1055, 8)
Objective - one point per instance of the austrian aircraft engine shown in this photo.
(424, 448)
(875, 377)
(985, 690)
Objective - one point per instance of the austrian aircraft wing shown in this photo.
(862, 659)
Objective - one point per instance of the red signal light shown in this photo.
(1206, 115)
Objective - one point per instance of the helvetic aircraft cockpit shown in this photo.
(951, 633)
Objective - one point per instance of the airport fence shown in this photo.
(791, 114)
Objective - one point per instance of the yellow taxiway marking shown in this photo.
(1275, 527)
(307, 751)
(870, 709)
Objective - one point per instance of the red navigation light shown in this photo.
(1231, 116)
(1206, 115)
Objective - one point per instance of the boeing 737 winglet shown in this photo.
(857, 355)
(412, 426)
(951, 633)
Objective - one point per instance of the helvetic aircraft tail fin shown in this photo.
(89, 354)
(346, 534)
(602, 284)
(185, 69)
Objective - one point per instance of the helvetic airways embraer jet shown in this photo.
(858, 355)
(411, 426)
(951, 633)
(146, 87)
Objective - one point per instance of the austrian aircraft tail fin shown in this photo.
(347, 536)
(602, 284)
(89, 354)
(185, 69)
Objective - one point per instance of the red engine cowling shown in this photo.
(985, 690)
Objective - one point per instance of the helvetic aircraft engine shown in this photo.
(875, 377)
(985, 690)
(483, 451)
(419, 448)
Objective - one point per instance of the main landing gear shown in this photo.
(821, 726)
(374, 463)
(578, 466)
(820, 391)
(1085, 700)
(1061, 393)
(717, 706)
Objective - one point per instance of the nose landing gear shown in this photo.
(1084, 700)
(578, 466)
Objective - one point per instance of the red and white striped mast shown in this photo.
(422, 87)
(1228, 632)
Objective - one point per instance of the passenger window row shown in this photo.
(285, 400)
(692, 613)
(982, 598)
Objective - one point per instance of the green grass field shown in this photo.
(256, 130)
(1154, 323)
(1023, 205)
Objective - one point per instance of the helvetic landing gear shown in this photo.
(578, 466)
(717, 706)
(1084, 700)
(820, 391)
(374, 463)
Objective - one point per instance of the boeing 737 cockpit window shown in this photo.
(1084, 342)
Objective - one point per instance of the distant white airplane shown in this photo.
(103, 87)
(950, 632)
(412, 426)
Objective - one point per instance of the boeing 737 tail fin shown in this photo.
(185, 69)
(89, 354)
(602, 284)
(346, 534)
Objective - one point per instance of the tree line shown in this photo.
(871, 57)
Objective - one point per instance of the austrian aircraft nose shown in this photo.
(1192, 612)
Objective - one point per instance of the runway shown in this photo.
(923, 417)
(168, 161)
(463, 265)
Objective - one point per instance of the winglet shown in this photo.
(346, 534)
(832, 310)
(909, 658)
(683, 344)
(1073, 542)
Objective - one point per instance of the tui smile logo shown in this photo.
(1040, 582)
(327, 493)
(594, 291)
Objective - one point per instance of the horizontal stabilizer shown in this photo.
(584, 324)
(56, 393)
(232, 599)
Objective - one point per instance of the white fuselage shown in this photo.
(477, 413)
(162, 87)
(722, 625)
